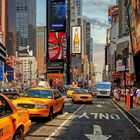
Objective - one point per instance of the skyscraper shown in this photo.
(26, 27)
(79, 6)
(11, 27)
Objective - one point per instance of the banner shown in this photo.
(57, 45)
(57, 15)
(76, 39)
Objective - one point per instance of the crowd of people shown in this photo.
(121, 93)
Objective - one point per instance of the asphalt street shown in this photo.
(102, 120)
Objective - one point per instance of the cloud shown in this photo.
(98, 23)
(99, 2)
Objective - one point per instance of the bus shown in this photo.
(103, 89)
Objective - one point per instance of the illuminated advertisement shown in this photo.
(135, 25)
(76, 66)
(25, 51)
(57, 46)
(57, 15)
(76, 39)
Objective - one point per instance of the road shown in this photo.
(102, 120)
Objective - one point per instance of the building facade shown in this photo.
(41, 50)
(79, 6)
(26, 27)
(11, 27)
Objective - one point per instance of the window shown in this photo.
(56, 95)
(5, 109)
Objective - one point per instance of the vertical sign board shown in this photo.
(76, 40)
(56, 23)
(57, 15)
(1, 70)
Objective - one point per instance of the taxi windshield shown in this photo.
(81, 92)
(72, 88)
(39, 94)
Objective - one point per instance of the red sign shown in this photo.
(57, 45)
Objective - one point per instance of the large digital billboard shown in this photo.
(57, 46)
(135, 25)
(76, 39)
(57, 15)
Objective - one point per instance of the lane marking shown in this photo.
(84, 115)
(53, 133)
(126, 117)
(97, 134)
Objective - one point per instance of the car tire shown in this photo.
(18, 135)
(61, 111)
(50, 117)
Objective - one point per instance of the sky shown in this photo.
(96, 12)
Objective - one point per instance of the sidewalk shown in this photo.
(133, 112)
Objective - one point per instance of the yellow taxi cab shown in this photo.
(82, 95)
(41, 102)
(70, 91)
(14, 121)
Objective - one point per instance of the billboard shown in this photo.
(1, 71)
(135, 25)
(120, 66)
(25, 51)
(57, 15)
(57, 42)
(76, 39)
(76, 65)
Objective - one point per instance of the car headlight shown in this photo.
(40, 107)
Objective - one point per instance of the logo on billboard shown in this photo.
(76, 39)
(57, 45)
(25, 51)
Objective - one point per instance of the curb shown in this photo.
(129, 115)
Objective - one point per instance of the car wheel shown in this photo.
(50, 117)
(18, 135)
(61, 111)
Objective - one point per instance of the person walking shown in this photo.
(138, 96)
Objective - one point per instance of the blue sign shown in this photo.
(1, 71)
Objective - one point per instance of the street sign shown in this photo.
(1, 71)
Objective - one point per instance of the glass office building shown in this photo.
(26, 27)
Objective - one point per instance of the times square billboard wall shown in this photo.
(57, 37)
(135, 24)
(57, 46)
(76, 39)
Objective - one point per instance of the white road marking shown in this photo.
(100, 106)
(97, 134)
(126, 117)
(105, 116)
(65, 114)
(84, 115)
(48, 138)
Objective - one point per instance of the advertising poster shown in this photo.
(135, 25)
(57, 15)
(57, 45)
(76, 39)
(25, 51)
(76, 66)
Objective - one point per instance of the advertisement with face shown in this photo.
(76, 39)
(57, 46)
(135, 25)
(57, 15)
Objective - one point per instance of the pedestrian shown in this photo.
(133, 93)
(138, 96)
